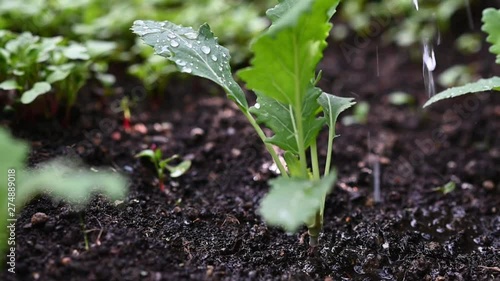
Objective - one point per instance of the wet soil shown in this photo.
(206, 226)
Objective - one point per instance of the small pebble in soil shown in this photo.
(197, 133)
(39, 218)
(235, 152)
(116, 136)
(65, 260)
(141, 128)
(488, 185)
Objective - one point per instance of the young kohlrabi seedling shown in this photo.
(156, 156)
(283, 76)
(61, 179)
(491, 25)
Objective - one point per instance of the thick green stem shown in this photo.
(269, 147)
(314, 160)
(314, 229)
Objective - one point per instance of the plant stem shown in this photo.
(314, 160)
(314, 229)
(85, 237)
(331, 136)
(269, 147)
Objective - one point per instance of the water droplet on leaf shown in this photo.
(191, 35)
(174, 43)
(214, 57)
(205, 50)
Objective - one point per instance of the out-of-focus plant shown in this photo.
(404, 23)
(237, 21)
(491, 25)
(61, 179)
(31, 66)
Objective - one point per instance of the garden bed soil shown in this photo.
(206, 225)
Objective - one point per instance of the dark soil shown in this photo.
(206, 225)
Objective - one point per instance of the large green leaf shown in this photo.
(291, 202)
(491, 25)
(195, 52)
(482, 85)
(280, 118)
(67, 180)
(287, 54)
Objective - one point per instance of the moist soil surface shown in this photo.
(206, 225)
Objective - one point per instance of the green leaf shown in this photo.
(194, 52)
(67, 180)
(100, 48)
(9, 85)
(179, 170)
(287, 54)
(280, 118)
(333, 106)
(291, 201)
(76, 51)
(447, 188)
(146, 153)
(482, 85)
(491, 25)
(58, 75)
(38, 89)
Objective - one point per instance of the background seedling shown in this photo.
(156, 156)
(61, 179)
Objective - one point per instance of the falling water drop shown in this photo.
(416, 4)
(174, 43)
(429, 65)
(205, 50)
(469, 14)
(378, 68)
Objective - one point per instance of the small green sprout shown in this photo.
(156, 156)
(447, 188)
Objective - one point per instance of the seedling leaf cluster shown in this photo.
(156, 157)
(283, 76)
(33, 66)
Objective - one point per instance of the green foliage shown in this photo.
(293, 201)
(482, 85)
(156, 157)
(282, 74)
(237, 21)
(61, 179)
(491, 20)
(491, 25)
(32, 66)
